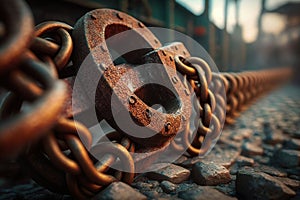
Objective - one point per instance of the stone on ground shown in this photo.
(203, 193)
(119, 191)
(210, 174)
(172, 173)
(220, 155)
(251, 184)
(288, 158)
(250, 149)
(293, 144)
(168, 187)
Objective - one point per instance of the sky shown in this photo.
(249, 13)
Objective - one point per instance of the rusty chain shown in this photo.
(34, 124)
(35, 81)
(241, 89)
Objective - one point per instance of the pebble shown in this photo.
(273, 135)
(143, 185)
(296, 134)
(244, 161)
(258, 185)
(29, 190)
(294, 184)
(288, 158)
(151, 194)
(293, 144)
(256, 139)
(172, 173)
(119, 191)
(250, 149)
(248, 133)
(168, 187)
(268, 150)
(186, 186)
(238, 137)
(241, 161)
(203, 193)
(293, 171)
(228, 189)
(245, 132)
(274, 138)
(230, 143)
(262, 159)
(210, 174)
(270, 170)
(219, 155)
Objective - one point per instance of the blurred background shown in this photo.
(238, 34)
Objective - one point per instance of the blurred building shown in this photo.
(289, 38)
(229, 51)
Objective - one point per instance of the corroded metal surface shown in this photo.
(91, 34)
(18, 25)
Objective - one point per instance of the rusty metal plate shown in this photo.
(93, 35)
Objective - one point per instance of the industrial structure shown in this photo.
(221, 45)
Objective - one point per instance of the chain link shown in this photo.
(241, 89)
(201, 79)
(84, 176)
(63, 148)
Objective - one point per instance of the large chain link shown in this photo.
(62, 154)
(33, 111)
(84, 175)
(200, 78)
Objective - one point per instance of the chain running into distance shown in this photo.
(36, 126)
